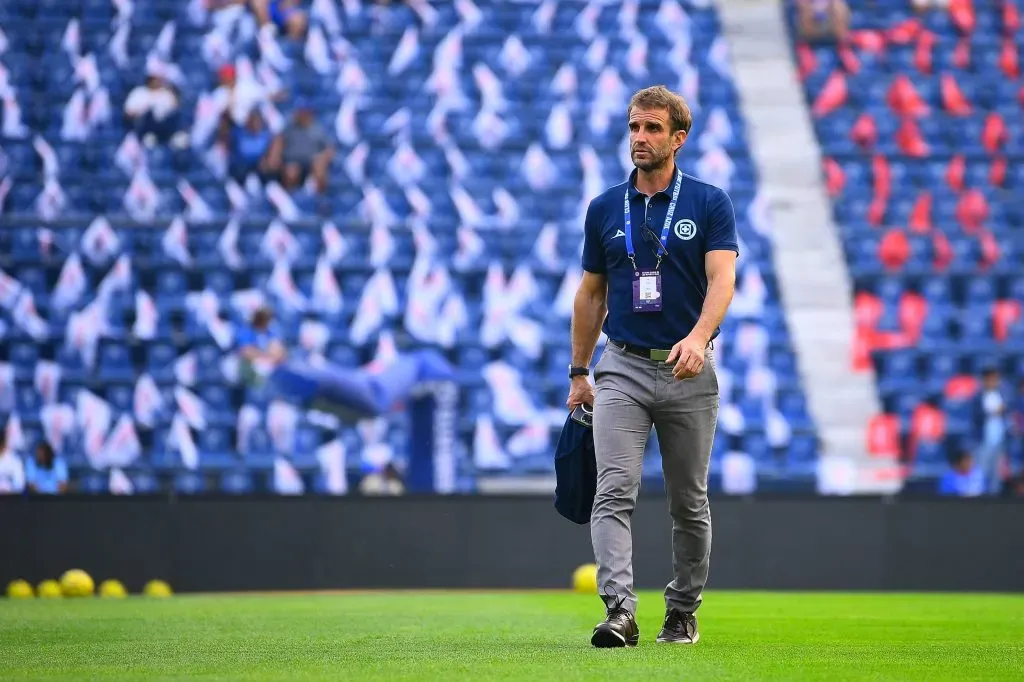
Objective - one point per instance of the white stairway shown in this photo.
(809, 262)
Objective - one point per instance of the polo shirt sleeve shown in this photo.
(721, 223)
(593, 247)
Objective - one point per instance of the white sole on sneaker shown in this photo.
(679, 641)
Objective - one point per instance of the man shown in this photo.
(963, 479)
(659, 258)
(259, 346)
(823, 21)
(991, 415)
(303, 149)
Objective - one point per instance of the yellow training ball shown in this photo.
(157, 588)
(49, 589)
(76, 583)
(584, 579)
(112, 589)
(20, 589)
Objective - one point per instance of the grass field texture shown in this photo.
(511, 636)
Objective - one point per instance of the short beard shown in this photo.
(653, 162)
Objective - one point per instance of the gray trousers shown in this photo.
(632, 394)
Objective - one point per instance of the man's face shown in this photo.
(651, 142)
(304, 117)
(991, 380)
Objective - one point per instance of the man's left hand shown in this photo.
(688, 356)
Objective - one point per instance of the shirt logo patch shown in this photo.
(618, 233)
(686, 229)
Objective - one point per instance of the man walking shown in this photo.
(659, 261)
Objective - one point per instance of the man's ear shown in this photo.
(679, 139)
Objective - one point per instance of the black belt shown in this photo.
(655, 354)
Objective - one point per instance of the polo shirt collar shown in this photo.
(634, 192)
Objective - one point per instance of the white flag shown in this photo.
(405, 53)
(26, 317)
(181, 440)
(514, 56)
(190, 407)
(532, 439)
(286, 479)
(284, 288)
(488, 455)
(382, 245)
(316, 52)
(545, 249)
(118, 279)
(130, 157)
(58, 423)
(72, 40)
(279, 243)
(282, 419)
(313, 336)
(379, 300)
(512, 403)
(228, 245)
(332, 463)
(119, 483)
(122, 446)
(147, 402)
(185, 369)
(146, 316)
(198, 211)
(71, 283)
(100, 242)
(175, 242)
(287, 209)
(335, 246)
(248, 419)
(47, 380)
(14, 435)
(326, 292)
(10, 290)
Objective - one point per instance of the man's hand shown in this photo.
(581, 392)
(688, 356)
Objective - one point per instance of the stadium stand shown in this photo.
(919, 118)
(469, 138)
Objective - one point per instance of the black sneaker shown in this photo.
(618, 629)
(679, 628)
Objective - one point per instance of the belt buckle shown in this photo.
(659, 355)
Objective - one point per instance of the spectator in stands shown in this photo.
(823, 20)
(926, 5)
(259, 345)
(152, 112)
(286, 15)
(249, 147)
(963, 479)
(46, 474)
(386, 481)
(12, 469)
(303, 150)
(992, 425)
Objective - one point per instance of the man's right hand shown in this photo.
(581, 392)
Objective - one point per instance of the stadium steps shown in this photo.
(809, 260)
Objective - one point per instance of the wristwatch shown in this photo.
(578, 371)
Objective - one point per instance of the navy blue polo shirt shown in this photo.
(684, 278)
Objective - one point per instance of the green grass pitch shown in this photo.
(511, 636)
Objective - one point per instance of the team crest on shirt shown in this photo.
(686, 229)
